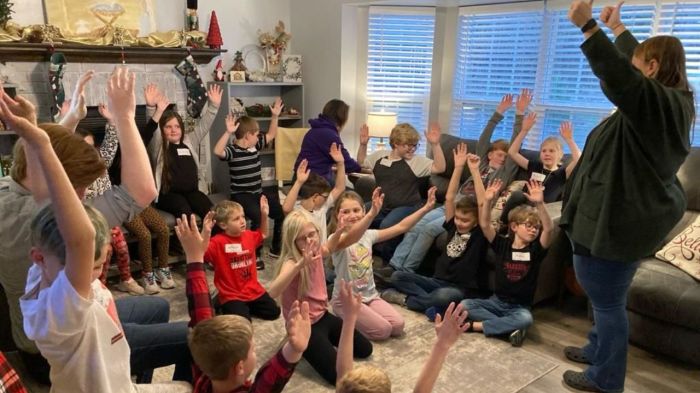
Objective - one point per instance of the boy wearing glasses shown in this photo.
(397, 173)
(519, 255)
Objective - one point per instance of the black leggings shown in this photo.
(263, 307)
(321, 353)
(179, 203)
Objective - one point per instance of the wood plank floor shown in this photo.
(559, 326)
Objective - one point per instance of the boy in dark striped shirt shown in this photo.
(243, 156)
(222, 347)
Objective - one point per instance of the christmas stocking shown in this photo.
(57, 67)
(196, 92)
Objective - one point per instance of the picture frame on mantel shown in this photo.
(291, 68)
(77, 17)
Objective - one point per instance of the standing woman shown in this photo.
(325, 130)
(624, 197)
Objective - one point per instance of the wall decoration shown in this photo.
(236, 76)
(86, 17)
(291, 68)
(274, 44)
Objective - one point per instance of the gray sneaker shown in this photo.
(517, 337)
(164, 278)
(393, 296)
(149, 283)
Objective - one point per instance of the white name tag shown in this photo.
(233, 248)
(521, 256)
(183, 152)
(536, 176)
(386, 162)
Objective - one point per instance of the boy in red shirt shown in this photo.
(232, 253)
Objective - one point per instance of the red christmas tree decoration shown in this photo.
(214, 39)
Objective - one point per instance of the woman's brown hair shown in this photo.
(336, 111)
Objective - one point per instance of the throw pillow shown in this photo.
(683, 251)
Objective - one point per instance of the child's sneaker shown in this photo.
(149, 283)
(517, 337)
(164, 278)
(393, 296)
(260, 264)
(130, 286)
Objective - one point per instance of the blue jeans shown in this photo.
(498, 317)
(606, 283)
(386, 219)
(424, 292)
(409, 254)
(153, 341)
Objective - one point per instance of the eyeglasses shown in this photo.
(529, 225)
(324, 195)
(411, 147)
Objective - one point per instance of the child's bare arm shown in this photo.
(448, 331)
(302, 176)
(290, 268)
(298, 332)
(407, 223)
(337, 156)
(231, 127)
(77, 110)
(483, 198)
(351, 303)
(264, 213)
(275, 110)
(460, 159)
(353, 234)
(535, 195)
(567, 133)
(73, 222)
(364, 140)
(514, 149)
(432, 135)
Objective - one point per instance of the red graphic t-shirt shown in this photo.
(233, 258)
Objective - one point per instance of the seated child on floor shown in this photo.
(372, 379)
(300, 276)
(232, 253)
(223, 347)
(546, 170)
(351, 253)
(456, 268)
(518, 255)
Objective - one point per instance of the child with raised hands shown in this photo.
(67, 312)
(300, 277)
(372, 379)
(232, 252)
(518, 259)
(460, 260)
(351, 252)
(223, 347)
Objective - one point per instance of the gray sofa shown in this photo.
(664, 302)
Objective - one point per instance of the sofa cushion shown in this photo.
(667, 293)
(688, 175)
(683, 251)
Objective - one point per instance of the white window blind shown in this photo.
(497, 53)
(400, 63)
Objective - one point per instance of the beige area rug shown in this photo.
(475, 363)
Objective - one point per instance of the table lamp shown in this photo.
(380, 125)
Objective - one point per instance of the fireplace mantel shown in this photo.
(20, 51)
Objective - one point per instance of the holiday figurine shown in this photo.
(214, 39)
(219, 74)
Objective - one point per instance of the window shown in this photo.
(400, 64)
(564, 86)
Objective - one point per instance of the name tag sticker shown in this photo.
(183, 152)
(235, 248)
(386, 162)
(536, 176)
(521, 256)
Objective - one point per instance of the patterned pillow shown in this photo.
(683, 251)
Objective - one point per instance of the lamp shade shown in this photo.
(381, 123)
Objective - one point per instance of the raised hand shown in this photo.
(24, 127)
(231, 123)
(430, 202)
(336, 153)
(610, 15)
(302, 171)
(580, 12)
(193, 242)
(524, 100)
(460, 155)
(528, 122)
(432, 135)
(493, 189)
(121, 100)
(264, 206)
(276, 108)
(78, 109)
(364, 135)
(473, 161)
(566, 130)
(312, 253)
(162, 102)
(214, 94)
(350, 301)
(377, 201)
(449, 328)
(19, 106)
(104, 112)
(151, 94)
(535, 192)
(505, 104)
(299, 326)
(342, 225)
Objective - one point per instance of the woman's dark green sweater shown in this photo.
(623, 196)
